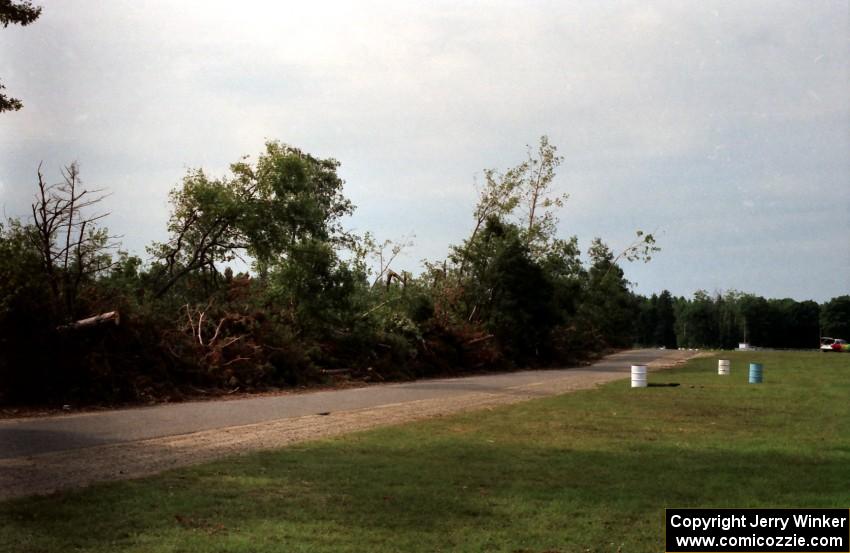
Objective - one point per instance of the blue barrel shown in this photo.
(755, 373)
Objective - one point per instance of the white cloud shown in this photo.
(665, 111)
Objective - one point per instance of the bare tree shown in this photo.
(384, 259)
(71, 246)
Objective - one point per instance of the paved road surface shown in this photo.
(27, 437)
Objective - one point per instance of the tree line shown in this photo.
(83, 321)
(724, 320)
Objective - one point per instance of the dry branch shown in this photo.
(480, 339)
(109, 317)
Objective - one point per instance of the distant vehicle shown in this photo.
(834, 344)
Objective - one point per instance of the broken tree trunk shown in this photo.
(110, 317)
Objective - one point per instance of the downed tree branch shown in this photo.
(380, 305)
(480, 339)
(402, 279)
(335, 371)
(111, 316)
(235, 360)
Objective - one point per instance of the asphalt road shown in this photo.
(25, 437)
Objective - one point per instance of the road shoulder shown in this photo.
(55, 471)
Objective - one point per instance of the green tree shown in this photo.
(756, 315)
(805, 325)
(525, 196)
(665, 321)
(563, 268)
(608, 306)
(696, 324)
(538, 197)
(647, 320)
(313, 288)
(24, 301)
(266, 211)
(20, 13)
(21, 274)
(730, 320)
(512, 295)
(835, 318)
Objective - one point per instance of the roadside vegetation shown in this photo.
(587, 471)
(83, 322)
(260, 286)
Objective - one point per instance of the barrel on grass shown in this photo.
(723, 366)
(638, 376)
(756, 370)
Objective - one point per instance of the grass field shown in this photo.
(588, 471)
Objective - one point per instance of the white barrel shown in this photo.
(638, 376)
(723, 366)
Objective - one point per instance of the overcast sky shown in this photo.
(722, 126)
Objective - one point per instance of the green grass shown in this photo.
(588, 471)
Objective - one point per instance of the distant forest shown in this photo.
(726, 320)
(83, 322)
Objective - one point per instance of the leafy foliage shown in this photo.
(835, 317)
(725, 320)
(312, 302)
(21, 13)
(319, 299)
(609, 308)
(266, 211)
